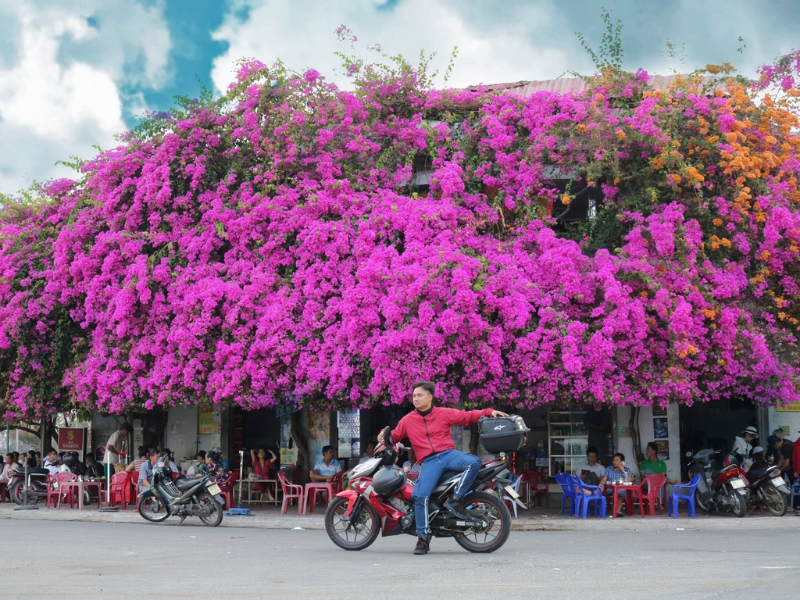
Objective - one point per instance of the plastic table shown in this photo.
(249, 483)
(82, 485)
(635, 491)
(318, 486)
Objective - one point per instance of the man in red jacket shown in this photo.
(428, 429)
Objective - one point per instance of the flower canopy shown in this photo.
(284, 240)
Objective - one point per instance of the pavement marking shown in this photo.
(777, 567)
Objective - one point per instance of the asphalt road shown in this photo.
(109, 560)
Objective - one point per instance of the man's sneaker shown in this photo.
(454, 506)
(423, 545)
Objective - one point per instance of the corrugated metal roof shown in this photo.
(565, 85)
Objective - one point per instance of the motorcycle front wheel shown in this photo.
(489, 508)
(737, 503)
(152, 510)
(774, 500)
(17, 493)
(214, 516)
(356, 534)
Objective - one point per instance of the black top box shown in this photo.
(502, 434)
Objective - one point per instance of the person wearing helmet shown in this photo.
(428, 429)
(741, 444)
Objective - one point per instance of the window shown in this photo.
(568, 440)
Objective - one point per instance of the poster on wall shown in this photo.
(319, 431)
(70, 439)
(788, 407)
(287, 449)
(205, 420)
(660, 428)
(663, 449)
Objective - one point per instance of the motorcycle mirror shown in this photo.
(688, 455)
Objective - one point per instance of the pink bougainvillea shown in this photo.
(278, 242)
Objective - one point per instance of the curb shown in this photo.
(274, 520)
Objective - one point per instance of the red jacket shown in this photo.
(431, 433)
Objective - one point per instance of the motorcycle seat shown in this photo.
(32, 471)
(754, 474)
(187, 484)
(447, 475)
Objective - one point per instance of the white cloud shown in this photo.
(301, 34)
(60, 91)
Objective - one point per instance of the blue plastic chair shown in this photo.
(515, 479)
(686, 492)
(595, 495)
(795, 493)
(568, 487)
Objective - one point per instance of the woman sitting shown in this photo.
(264, 468)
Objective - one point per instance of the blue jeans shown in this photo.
(429, 474)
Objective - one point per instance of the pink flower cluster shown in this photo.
(271, 245)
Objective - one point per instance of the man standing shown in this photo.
(116, 444)
(428, 429)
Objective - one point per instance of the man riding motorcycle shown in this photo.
(428, 429)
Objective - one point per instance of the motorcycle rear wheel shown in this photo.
(356, 534)
(215, 517)
(152, 510)
(698, 499)
(17, 493)
(481, 505)
(774, 500)
(738, 504)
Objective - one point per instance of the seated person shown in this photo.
(590, 472)
(8, 466)
(213, 468)
(146, 468)
(293, 474)
(225, 464)
(195, 469)
(166, 456)
(652, 464)
(326, 468)
(411, 465)
(617, 473)
(52, 461)
(91, 467)
(370, 453)
(759, 460)
(136, 465)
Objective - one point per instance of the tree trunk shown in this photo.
(300, 438)
(473, 438)
(154, 424)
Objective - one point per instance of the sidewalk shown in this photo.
(534, 519)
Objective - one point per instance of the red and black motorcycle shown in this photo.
(379, 501)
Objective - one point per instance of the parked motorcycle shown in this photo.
(36, 485)
(379, 501)
(725, 489)
(768, 489)
(195, 497)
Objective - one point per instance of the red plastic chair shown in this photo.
(119, 484)
(538, 485)
(655, 485)
(54, 492)
(337, 482)
(134, 489)
(292, 492)
(227, 488)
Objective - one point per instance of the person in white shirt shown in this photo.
(741, 445)
(370, 453)
(51, 461)
(8, 466)
(591, 466)
(116, 444)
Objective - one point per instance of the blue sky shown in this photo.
(75, 73)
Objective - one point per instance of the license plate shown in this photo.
(778, 482)
(737, 484)
(511, 491)
(214, 489)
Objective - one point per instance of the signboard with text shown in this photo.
(71, 439)
(205, 420)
